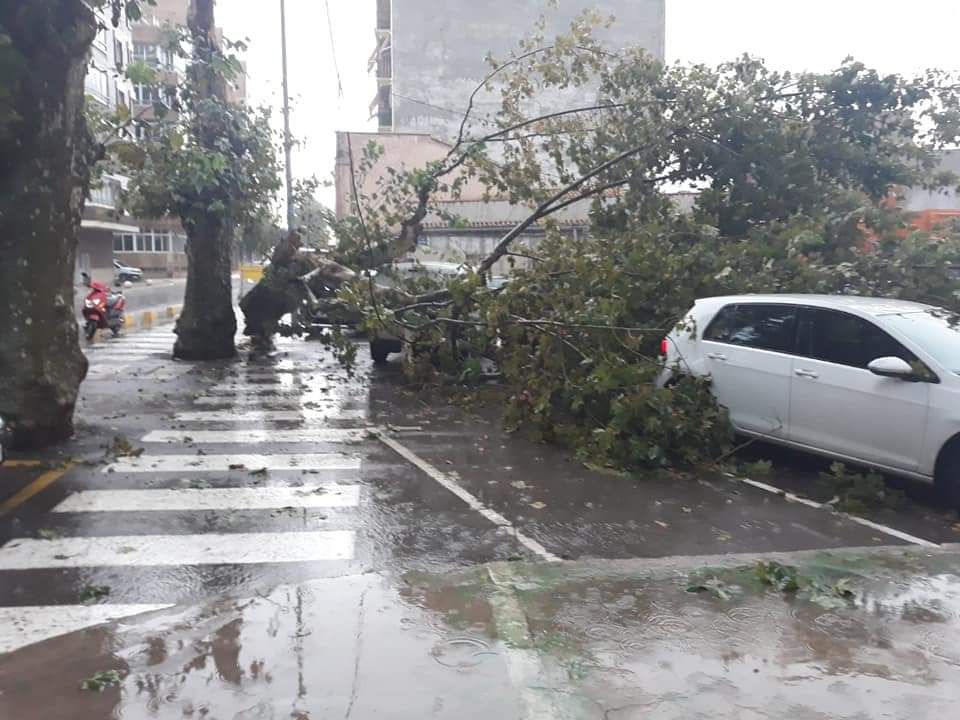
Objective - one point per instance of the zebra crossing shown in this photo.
(180, 528)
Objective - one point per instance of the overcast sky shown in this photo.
(790, 34)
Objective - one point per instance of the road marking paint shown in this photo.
(165, 550)
(37, 486)
(244, 498)
(24, 463)
(136, 342)
(260, 389)
(129, 354)
(256, 436)
(525, 667)
(471, 500)
(95, 370)
(257, 400)
(261, 416)
(222, 463)
(790, 497)
(25, 625)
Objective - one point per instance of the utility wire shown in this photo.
(333, 49)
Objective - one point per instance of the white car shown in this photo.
(872, 381)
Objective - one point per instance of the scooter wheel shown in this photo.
(90, 330)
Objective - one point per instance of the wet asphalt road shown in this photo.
(275, 471)
(198, 421)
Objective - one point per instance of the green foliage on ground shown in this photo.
(859, 492)
(102, 680)
(827, 590)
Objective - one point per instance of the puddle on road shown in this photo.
(594, 639)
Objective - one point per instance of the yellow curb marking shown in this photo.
(37, 486)
(23, 463)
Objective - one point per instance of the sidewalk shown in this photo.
(590, 639)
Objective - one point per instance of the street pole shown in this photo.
(287, 142)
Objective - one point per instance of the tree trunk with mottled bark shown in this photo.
(207, 324)
(46, 153)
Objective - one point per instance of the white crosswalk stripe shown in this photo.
(160, 550)
(175, 519)
(222, 463)
(26, 625)
(244, 498)
(267, 401)
(262, 416)
(256, 436)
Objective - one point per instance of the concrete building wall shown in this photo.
(437, 50)
(401, 151)
(173, 12)
(918, 199)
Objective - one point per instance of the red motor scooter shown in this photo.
(102, 308)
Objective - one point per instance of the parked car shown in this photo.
(382, 343)
(871, 381)
(122, 273)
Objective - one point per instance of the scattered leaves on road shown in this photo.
(716, 587)
(92, 593)
(784, 578)
(47, 534)
(101, 680)
(121, 447)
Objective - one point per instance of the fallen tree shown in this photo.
(795, 177)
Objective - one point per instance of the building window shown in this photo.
(118, 54)
(123, 242)
(153, 55)
(97, 83)
(100, 41)
(384, 107)
(145, 94)
(148, 241)
(146, 53)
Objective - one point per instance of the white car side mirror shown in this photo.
(893, 367)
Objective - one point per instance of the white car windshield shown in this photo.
(936, 331)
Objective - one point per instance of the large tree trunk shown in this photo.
(207, 324)
(45, 157)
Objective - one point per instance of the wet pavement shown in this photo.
(275, 514)
(588, 639)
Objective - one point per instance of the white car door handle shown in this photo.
(806, 373)
(716, 356)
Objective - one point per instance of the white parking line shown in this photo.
(244, 498)
(223, 463)
(790, 497)
(261, 416)
(472, 501)
(164, 550)
(256, 436)
(26, 625)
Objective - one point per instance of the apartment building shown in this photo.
(107, 89)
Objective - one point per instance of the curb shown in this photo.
(147, 319)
